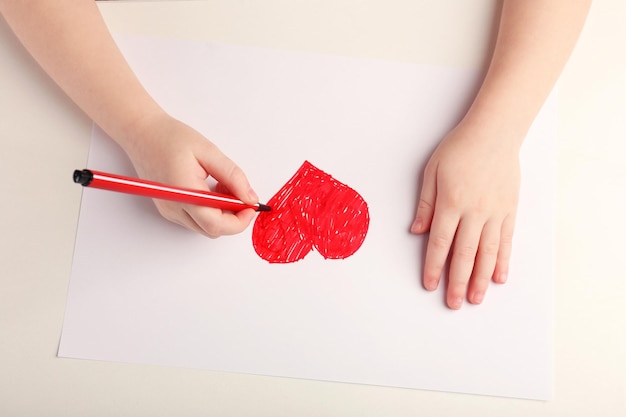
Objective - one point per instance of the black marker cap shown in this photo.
(83, 177)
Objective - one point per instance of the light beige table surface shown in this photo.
(43, 137)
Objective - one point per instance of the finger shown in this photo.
(187, 221)
(462, 261)
(221, 188)
(225, 171)
(426, 204)
(215, 223)
(501, 271)
(439, 242)
(176, 214)
(485, 262)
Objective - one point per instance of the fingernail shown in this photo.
(502, 278)
(430, 285)
(417, 225)
(478, 297)
(252, 195)
(456, 303)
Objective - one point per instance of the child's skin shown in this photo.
(469, 195)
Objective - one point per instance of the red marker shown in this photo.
(111, 182)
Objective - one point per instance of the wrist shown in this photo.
(141, 129)
(507, 126)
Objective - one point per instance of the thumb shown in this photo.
(426, 205)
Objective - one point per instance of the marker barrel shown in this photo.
(151, 189)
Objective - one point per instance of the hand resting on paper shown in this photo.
(165, 150)
(471, 182)
(468, 202)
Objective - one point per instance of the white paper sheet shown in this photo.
(146, 291)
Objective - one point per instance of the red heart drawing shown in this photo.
(312, 210)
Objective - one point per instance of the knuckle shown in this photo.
(455, 199)
(166, 211)
(235, 174)
(490, 248)
(486, 204)
(466, 252)
(425, 205)
(432, 272)
(506, 239)
(209, 224)
(440, 242)
(212, 230)
(457, 288)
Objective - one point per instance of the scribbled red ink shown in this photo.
(312, 210)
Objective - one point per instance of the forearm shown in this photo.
(535, 39)
(70, 40)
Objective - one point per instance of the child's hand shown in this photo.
(168, 151)
(469, 201)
